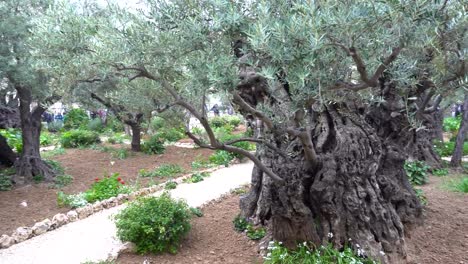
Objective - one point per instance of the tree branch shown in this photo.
(239, 101)
(307, 144)
(260, 141)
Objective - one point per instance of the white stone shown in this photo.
(41, 227)
(97, 206)
(59, 220)
(72, 216)
(21, 234)
(6, 241)
(84, 211)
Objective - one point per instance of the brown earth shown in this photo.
(444, 236)
(211, 240)
(84, 165)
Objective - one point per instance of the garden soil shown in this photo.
(84, 165)
(211, 240)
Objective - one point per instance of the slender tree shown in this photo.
(457, 155)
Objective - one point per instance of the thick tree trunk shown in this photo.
(358, 190)
(7, 156)
(30, 164)
(136, 137)
(457, 155)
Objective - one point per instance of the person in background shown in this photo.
(215, 110)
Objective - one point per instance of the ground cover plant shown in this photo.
(416, 172)
(154, 224)
(163, 171)
(197, 177)
(153, 146)
(306, 253)
(459, 185)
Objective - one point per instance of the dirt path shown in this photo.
(93, 238)
(444, 236)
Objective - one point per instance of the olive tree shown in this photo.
(336, 87)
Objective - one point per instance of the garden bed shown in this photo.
(84, 165)
(442, 239)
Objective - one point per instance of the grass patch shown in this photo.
(163, 171)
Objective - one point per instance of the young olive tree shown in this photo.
(334, 86)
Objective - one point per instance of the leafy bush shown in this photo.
(105, 188)
(305, 254)
(153, 146)
(154, 224)
(5, 182)
(221, 157)
(114, 124)
(197, 177)
(234, 121)
(255, 233)
(218, 121)
(451, 124)
(196, 212)
(116, 139)
(79, 138)
(445, 149)
(62, 180)
(54, 126)
(170, 135)
(95, 125)
(75, 119)
(72, 200)
(460, 185)
(200, 164)
(14, 139)
(421, 196)
(170, 185)
(440, 172)
(120, 153)
(240, 223)
(165, 170)
(417, 172)
(46, 139)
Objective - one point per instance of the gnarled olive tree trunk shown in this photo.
(358, 190)
(30, 163)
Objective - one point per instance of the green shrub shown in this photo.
(218, 121)
(72, 200)
(240, 223)
(54, 126)
(154, 224)
(459, 185)
(305, 254)
(95, 125)
(75, 119)
(197, 177)
(62, 180)
(234, 121)
(46, 139)
(157, 123)
(170, 185)
(165, 170)
(451, 124)
(421, 196)
(200, 164)
(445, 149)
(79, 138)
(153, 146)
(105, 188)
(255, 233)
(196, 211)
(5, 182)
(440, 172)
(120, 153)
(221, 157)
(114, 124)
(416, 172)
(170, 135)
(38, 178)
(116, 139)
(14, 139)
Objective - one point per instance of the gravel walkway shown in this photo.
(93, 238)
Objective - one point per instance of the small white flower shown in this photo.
(305, 243)
(308, 252)
(281, 243)
(330, 235)
(112, 163)
(271, 243)
(382, 253)
(349, 239)
(358, 246)
(268, 255)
